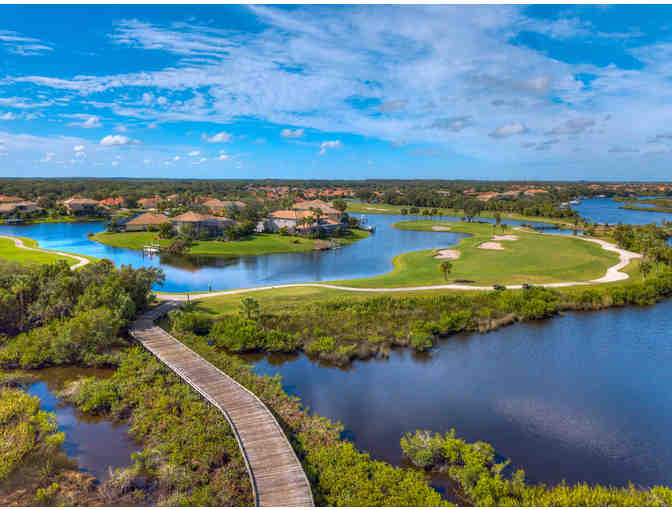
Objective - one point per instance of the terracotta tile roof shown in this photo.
(149, 219)
(291, 215)
(5, 198)
(80, 200)
(319, 204)
(194, 217)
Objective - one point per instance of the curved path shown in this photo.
(613, 274)
(276, 475)
(19, 244)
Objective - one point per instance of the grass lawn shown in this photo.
(366, 208)
(9, 251)
(256, 244)
(533, 258)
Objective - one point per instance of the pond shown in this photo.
(585, 396)
(97, 443)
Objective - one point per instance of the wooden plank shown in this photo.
(276, 475)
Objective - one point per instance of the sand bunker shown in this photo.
(508, 237)
(447, 254)
(375, 209)
(491, 246)
(438, 228)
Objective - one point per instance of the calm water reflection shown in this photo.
(586, 396)
(605, 210)
(371, 256)
(97, 443)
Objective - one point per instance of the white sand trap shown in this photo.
(375, 209)
(447, 254)
(491, 246)
(439, 228)
(507, 237)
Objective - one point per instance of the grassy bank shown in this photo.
(367, 208)
(339, 326)
(12, 253)
(256, 244)
(59, 219)
(532, 258)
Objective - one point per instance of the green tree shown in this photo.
(645, 268)
(472, 208)
(446, 267)
(249, 307)
(166, 230)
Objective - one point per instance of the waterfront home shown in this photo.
(328, 212)
(25, 206)
(146, 221)
(112, 202)
(202, 222)
(149, 203)
(298, 221)
(216, 206)
(78, 206)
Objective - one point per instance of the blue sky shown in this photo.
(489, 92)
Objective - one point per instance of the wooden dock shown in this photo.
(276, 474)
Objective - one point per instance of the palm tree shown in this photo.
(446, 267)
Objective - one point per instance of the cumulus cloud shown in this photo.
(291, 133)
(218, 138)
(48, 157)
(515, 128)
(8, 116)
(195, 153)
(223, 156)
(334, 144)
(78, 148)
(115, 140)
(115, 163)
(573, 126)
(176, 158)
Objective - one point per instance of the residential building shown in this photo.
(112, 202)
(328, 212)
(146, 221)
(7, 208)
(78, 206)
(202, 222)
(149, 203)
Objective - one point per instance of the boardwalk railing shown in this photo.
(276, 475)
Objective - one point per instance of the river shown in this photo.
(586, 396)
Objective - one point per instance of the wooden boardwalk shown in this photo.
(276, 474)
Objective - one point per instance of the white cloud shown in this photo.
(121, 128)
(223, 156)
(115, 163)
(78, 148)
(87, 121)
(573, 126)
(515, 128)
(219, 137)
(195, 153)
(335, 144)
(115, 140)
(22, 45)
(289, 133)
(176, 158)
(8, 116)
(48, 157)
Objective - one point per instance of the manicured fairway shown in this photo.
(9, 251)
(533, 258)
(256, 244)
(366, 208)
